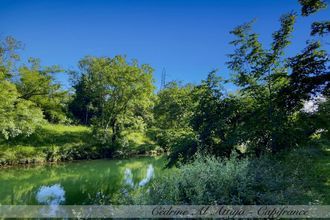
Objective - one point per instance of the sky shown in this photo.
(187, 38)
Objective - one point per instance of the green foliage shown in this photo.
(50, 143)
(54, 135)
(266, 180)
(311, 6)
(204, 181)
(8, 57)
(215, 117)
(172, 113)
(81, 104)
(183, 147)
(21, 155)
(120, 95)
(309, 76)
(33, 84)
(37, 84)
(174, 106)
(264, 115)
(320, 28)
(275, 86)
(55, 142)
(17, 117)
(130, 142)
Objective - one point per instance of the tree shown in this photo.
(174, 106)
(309, 77)
(216, 116)
(38, 85)
(81, 105)
(276, 85)
(8, 57)
(311, 6)
(261, 74)
(120, 94)
(320, 28)
(17, 116)
(323, 116)
(172, 113)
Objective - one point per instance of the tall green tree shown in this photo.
(172, 114)
(174, 106)
(262, 74)
(120, 94)
(276, 85)
(37, 84)
(216, 116)
(17, 116)
(81, 105)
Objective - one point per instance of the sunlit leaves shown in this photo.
(17, 117)
(117, 92)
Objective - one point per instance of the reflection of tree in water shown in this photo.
(150, 174)
(128, 176)
(84, 183)
(51, 195)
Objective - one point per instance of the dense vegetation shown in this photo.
(299, 176)
(281, 105)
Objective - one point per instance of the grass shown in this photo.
(314, 160)
(139, 143)
(53, 135)
(321, 174)
(54, 142)
(50, 143)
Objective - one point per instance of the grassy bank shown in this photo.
(50, 143)
(321, 174)
(53, 143)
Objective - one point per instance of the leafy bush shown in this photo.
(17, 117)
(207, 180)
(71, 152)
(183, 148)
(167, 137)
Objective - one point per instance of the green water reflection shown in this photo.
(78, 182)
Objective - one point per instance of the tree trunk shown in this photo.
(114, 131)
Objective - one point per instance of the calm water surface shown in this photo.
(84, 182)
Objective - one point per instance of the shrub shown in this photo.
(17, 117)
(167, 137)
(207, 180)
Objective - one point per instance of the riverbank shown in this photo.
(57, 143)
(298, 176)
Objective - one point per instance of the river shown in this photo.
(77, 183)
